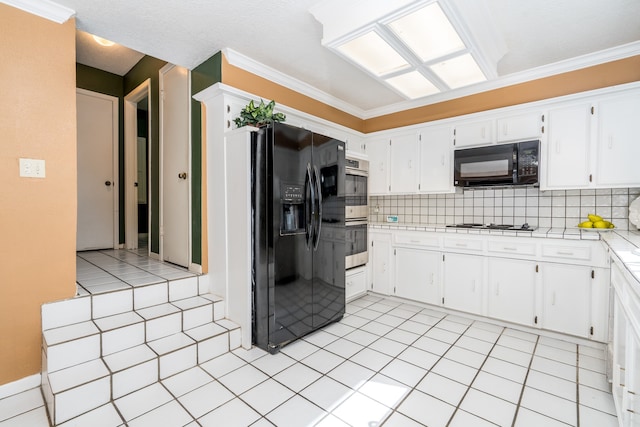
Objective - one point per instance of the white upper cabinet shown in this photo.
(436, 160)
(568, 149)
(519, 127)
(378, 151)
(619, 141)
(474, 133)
(404, 163)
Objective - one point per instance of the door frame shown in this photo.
(114, 166)
(161, 74)
(130, 164)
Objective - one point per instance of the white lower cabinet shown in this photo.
(625, 346)
(512, 290)
(566, 298)
(463, 282)
(417, 275)
(380, 260)
(560, 286)
(355, 283)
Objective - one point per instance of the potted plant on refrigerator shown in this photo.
(258, 115)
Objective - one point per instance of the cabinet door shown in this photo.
(355, 283)
(355, 144)
(618, 147)
(404, 163)
(417, 275)
(378, 152)
(520, 127)
(475, 133)
(380, 262)
(566, 298)
(512, 286)
(568, 147)
(436, 171)
(463, 282)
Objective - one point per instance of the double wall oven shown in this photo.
(356, 211)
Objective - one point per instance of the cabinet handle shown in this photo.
(497, 288)
(461, 245)
(384, 267)
(505, 129)
(442, 160)
(565, 253)
(557, 147)
(610, 142)
(433, 276)
(474, 285)
(483, 132)
(553, 298)
(409, 164)
(415, 241)
(506, 248)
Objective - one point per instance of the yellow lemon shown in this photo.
(586, 224)
(600, 224)
(594, 218)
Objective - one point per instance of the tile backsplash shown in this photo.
(548, 209)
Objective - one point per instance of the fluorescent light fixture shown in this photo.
(413, 85)
(428, 32)
(459, 71)
(103, 42)
(373, 53)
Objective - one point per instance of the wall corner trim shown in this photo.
(44, 9)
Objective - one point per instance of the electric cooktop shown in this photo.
(492, 226)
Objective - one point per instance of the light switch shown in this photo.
(32, 168)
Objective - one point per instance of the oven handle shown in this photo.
(356, 222)
(356, 172)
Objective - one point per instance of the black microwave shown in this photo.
(504, 164)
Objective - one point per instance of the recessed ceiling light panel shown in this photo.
(428, 32)
(413, 85)
(459, 71)
(373, 53)
(103, 42)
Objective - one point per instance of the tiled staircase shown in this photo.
(97, 348)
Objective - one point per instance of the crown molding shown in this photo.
(44, 9)
(573, 64)
(241, 61)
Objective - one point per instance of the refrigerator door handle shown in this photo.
(319, 216)
(310, 207)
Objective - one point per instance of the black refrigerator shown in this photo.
(298, 233)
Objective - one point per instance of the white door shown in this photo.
(512, 290)
(97, 117)
(174, 139)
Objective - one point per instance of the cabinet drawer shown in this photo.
(463, 244)
(581, 253)
(514, 248)
(416, 239)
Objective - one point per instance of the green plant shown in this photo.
(260, 115)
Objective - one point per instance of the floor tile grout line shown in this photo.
(524, 382)
(577, 386)
(478, 370)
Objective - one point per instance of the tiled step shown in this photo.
(114, 344)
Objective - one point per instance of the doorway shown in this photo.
(137, 109)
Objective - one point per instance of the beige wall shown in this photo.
(37, 216)
(590, 78)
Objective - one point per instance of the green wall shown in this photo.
(204, 75)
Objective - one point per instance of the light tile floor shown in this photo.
(111, 270)
(385, 364)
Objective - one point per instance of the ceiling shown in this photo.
(542, 35)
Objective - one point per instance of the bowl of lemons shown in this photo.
(596, 223)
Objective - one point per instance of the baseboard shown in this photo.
(20, 385)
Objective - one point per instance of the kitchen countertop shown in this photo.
(624, 244)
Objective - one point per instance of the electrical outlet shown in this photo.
(32, 168)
